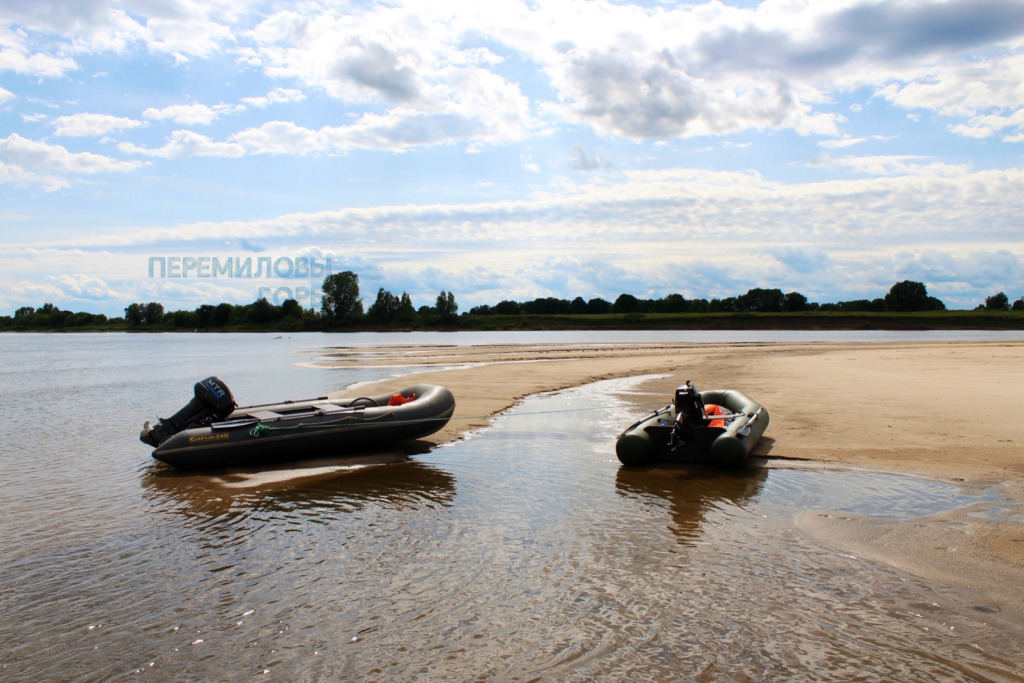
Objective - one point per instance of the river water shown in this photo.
(524, 552)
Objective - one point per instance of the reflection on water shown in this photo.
(326, 490)
(693, 493)
(524, 552)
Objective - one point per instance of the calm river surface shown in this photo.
(524, 552)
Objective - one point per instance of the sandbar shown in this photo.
(943, 410)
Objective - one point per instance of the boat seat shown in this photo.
(265, 415)
(330, 407)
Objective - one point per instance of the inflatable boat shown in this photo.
(718, 427)
(212, 431)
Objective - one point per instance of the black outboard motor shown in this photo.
(690, 406)
(213, 401)
(690, 413)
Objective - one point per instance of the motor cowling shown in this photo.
(690, 414)
(689, 406)
(212, 401)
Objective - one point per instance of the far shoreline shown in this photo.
(818, 320)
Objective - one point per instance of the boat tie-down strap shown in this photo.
(259, 429)
(348, 421)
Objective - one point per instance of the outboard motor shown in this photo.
(690, 406)
(690, 413)
(213, 401)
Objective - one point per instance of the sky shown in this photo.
(181, 151)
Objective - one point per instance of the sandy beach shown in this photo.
(945, 410)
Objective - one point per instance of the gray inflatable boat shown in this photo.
(718, 427)
(211, 431)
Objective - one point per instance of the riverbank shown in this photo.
(310, 321)
(940, 410)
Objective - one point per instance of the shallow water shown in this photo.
(523, 552)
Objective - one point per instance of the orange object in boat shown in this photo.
(712, 409)
(399, 399)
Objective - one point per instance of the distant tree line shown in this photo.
(1001, 302)
(902, 297)
(342, 307)
(290, 315)
(49, 317)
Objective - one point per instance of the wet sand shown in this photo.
(945, 410)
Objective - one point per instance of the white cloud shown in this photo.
(184, 144)
(802, 259)
(81, 286)
(836, 239)
(982, 269)
(894, 165)
(184, 38)
(275, 96)
(29, 162)
(92, 125)
(18, 293)
(960, 87)
(184, 27)
(846, 141)
(191, 114)
(397, 130)
(682, 209)
(624, 70)
(17, 56)
(280, 137)
(430, 89)
(653, 95)
(993, 124)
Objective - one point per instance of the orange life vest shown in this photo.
(713, 409)
(399, 399)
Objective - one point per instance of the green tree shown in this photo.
(794, 302)
(291, 309)
(1018, 305)
(133, 315)
(626, 303)
(997, 302)
(204, 315)
(406, 312)
(759, 300)
(222, 314)
(446, 306)
(152, 313)
(911, 296)
(259, 312)
(546, 306)
(341, 303)
(726, 305)
(507, 307)
(673, 303)
(385, 308)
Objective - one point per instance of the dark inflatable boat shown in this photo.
(211, 431)
(718, 427)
